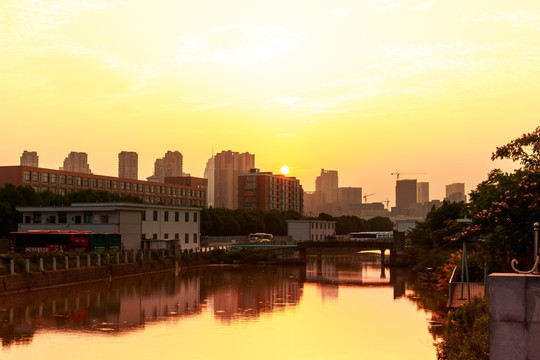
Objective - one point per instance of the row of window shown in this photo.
(59, 179)
(166, 217)
(88, 217)
(325, 226)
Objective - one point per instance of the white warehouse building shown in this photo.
(311, 230)
(141, 225)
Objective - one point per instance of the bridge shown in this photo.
(395, 246)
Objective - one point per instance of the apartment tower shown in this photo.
(128, 162)
(76, 162)
(327, 183)
(228, 165)
(30, 158)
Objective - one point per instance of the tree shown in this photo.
(525, 149)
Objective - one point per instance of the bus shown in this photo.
(64, 240)
(260, 238)
(372, 236)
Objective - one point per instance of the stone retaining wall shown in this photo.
(38, 280)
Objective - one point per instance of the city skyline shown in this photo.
(364, 88)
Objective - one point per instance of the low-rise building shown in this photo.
(141, 225)
(311, 230)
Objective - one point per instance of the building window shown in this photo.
(186, 217)
(115, 185)
(176, 216)
(27, 219)
(194, 238)
(62, 217)
(87, 217)
(86, 183)
(143, 216)
(165, 236)
(100, 184)
(26, 176)
(104, 219)
(154, 236)
(122, 186)
(45, 178)
(70, 180)
(79, 181)
(194, 217)
(155, 215)
(78, 219)
(35, 177)
(177, 236)
(186, 238)
(37, 217)
(166, 216)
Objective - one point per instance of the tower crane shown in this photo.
(365, 197)
(397, 173)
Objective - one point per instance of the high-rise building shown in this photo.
(170, 165)
(405, 193)
(228, 165)
(76, 162)
(209, 174)
(422, 192)
(456, 192)
(266, 191)
(327, 183)
(30, 158)
(349, 196)
(128, 162)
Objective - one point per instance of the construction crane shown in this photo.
(387, 203)
(365, 197)
(397, 173)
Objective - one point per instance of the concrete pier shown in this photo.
(514, 316)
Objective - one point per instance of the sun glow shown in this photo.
(284, 169)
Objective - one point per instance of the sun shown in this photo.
(284, 169)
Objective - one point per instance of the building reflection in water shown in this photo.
(230, 294)
(355, 269)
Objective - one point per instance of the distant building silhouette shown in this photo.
(266, 191)
(76, 162)
(422, 192)
(456, 192)
(327, 183)
(171, 165)
(128, 163)
(228, 165)
(405, 193)
(30, 158)
(209, 174)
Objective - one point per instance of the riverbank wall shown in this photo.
(47, 279)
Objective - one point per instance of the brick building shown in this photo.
(184, 191)
(266, 191)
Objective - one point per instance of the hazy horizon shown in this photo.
(366, 88)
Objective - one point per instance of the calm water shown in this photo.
(337, 307)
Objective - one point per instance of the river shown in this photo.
(341, 306)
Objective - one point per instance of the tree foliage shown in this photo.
(225, 222)
(432, 240)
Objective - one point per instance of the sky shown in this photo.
(367, 88)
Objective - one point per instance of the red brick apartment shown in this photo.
(186, 190)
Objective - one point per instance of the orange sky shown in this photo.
(362, 87)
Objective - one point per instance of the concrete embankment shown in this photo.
(47, 279)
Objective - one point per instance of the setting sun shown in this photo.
(284, 169)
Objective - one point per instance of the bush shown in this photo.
(466, 333)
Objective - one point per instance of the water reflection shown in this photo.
(229, 296)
